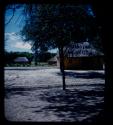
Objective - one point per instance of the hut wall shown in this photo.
(84, 63)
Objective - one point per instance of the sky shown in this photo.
(13, 41)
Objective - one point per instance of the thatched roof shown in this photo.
(21, 59)
(53, 59)
(83, 49)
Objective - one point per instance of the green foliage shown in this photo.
(10, 56)
(44, 57)
(57, 25)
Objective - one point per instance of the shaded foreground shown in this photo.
(37, 95)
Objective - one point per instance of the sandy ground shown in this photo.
(35, 94)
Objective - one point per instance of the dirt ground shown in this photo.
(35, 94)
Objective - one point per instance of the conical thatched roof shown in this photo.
(83, 49)
(21, 59)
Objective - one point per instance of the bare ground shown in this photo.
(35, 94)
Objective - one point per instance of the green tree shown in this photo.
(56, 26)
(10, 56)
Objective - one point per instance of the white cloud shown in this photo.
(12, 36)
(22, 45)
(15, 42)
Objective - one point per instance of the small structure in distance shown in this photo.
(53, 61)
(21, 60)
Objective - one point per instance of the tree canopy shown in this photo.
(56, 25)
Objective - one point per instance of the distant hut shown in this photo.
(53, 61)
(82, 56)
(21, 60)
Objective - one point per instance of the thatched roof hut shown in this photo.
(21, 60)
(81, 56)
(53, 61)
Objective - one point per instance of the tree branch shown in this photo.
(11, 17)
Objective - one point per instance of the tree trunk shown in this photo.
(35, 59)
(61, 55)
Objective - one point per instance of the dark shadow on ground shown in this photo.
(11, 90)
(74, 105)
(87, 75)
(17, 91)
(69, 105)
